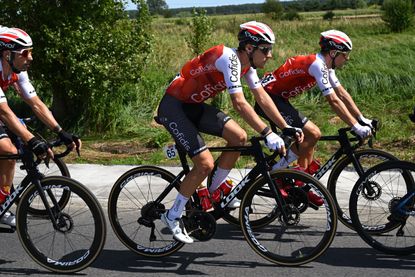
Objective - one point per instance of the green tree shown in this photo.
(85, 54)
(201, 27)
(157, 6)
(398, 14)
(273, 8)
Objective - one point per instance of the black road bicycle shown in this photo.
(347, 164)
(295, 234)
(64, 237)
(382, 207)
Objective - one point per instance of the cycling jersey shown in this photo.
(215, 70)
(25, 88)
(299, 74)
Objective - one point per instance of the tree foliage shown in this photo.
(273, 8)
(202, 28)
(157, 6)
(85, 52)
(398, 14)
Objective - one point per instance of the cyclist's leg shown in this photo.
(6, 174)
(306, 149)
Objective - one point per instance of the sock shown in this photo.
(218, 178)
(177, 210)
(285, 161)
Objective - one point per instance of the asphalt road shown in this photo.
(226, 254)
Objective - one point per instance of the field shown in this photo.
(379, 76)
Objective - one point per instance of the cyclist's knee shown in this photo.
(311, 132)
(203, 164)
(238, 138)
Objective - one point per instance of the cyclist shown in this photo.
(16, 57)
(184, 113)
(301, 73)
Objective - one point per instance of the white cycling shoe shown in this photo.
(174, 226)
(8, 219)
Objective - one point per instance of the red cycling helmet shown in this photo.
(335, 40)
(14, 39)
(255, 33)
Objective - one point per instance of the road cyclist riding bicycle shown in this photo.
(16, 56)
(184, 114)
(301, 73)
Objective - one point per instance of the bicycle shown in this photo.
(296, 234)
(63, 238)
(382, 207)
(347, 164)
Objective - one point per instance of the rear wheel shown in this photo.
(300, 238)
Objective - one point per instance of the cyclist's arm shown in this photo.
(265, 102)
(12, 122)
(348, 101)
(247, 112)
(43, 113)
(340, 109)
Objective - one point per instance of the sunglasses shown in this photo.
(265, 49)
(24, 52)
(345, 55)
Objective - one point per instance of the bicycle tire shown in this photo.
(392, 180)
(304, 238)
(344, 173)
(130, 193)
(80, 236)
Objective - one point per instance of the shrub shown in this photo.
(328, 15)
(398, 14)
(201, 27)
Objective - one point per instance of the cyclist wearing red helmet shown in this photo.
(16, 57)
(301, 73)
(184, 114)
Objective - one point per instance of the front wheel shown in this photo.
(300, 237)
(344, 176)
(79, 235)
(382, 207)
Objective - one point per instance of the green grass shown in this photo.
(379, 76)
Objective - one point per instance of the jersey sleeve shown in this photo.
(320, 72)
(26, 89)
(252, 78)
(228, 63)
(333, 79)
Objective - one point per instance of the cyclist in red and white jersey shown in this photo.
(184, 113)
(16, 57)
(301, 73)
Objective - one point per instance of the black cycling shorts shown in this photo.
(290, 114)
(3, 133)
(184, 121)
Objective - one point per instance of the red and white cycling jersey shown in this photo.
(215, 70)
(25, 88)
(299, 74)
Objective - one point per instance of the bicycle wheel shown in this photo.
(304, 235)
(56, 167)
(344, 176)
(374, 214)
(132, 212)
(79, 236)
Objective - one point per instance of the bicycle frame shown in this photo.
(261, 167)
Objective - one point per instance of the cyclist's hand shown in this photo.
(274, 142)
(70, 140)
(40, 148)
(294, 132)
(365, 122)
(362, 131)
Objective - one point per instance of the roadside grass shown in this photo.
(379, 76)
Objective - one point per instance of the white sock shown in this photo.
(284, 162)
(218, 178)
(177, 210)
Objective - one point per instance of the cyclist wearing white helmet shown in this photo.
(184, 114)
(301, 73)
(16, 57)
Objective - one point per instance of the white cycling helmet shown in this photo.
(14, 39)
(335, 40)
(255, 33)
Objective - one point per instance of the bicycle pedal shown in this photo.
(7, 230)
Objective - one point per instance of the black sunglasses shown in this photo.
(264, 49)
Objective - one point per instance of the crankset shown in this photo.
(293, 216)
(297, 197)
(200, 225)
